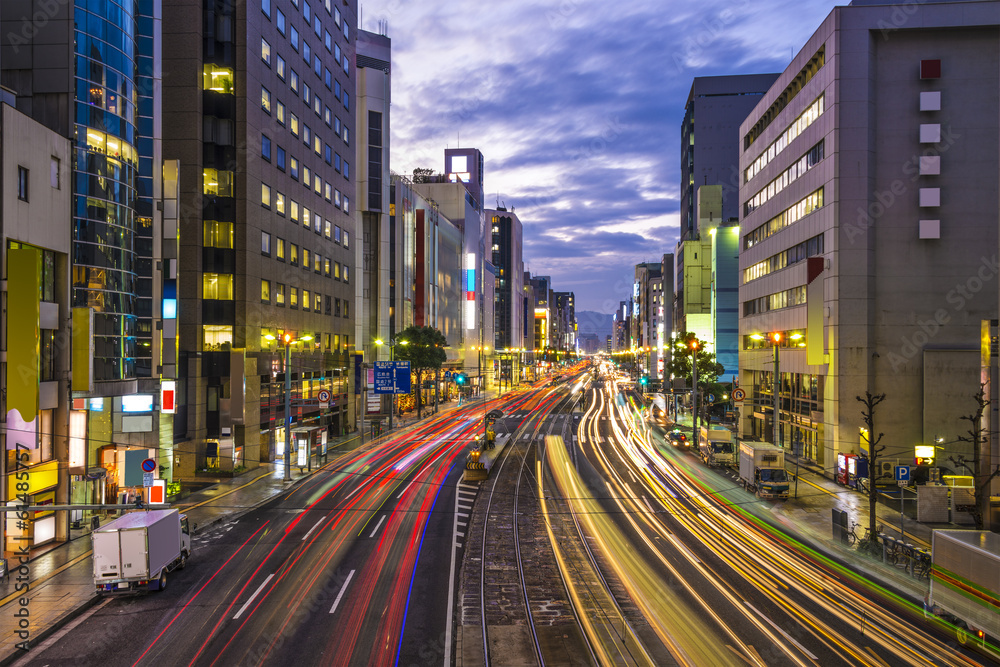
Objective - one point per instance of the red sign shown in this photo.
(168, 393)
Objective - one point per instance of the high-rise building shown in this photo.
(379, 245)
(715, 108)
(259, 111)
(507, 248)
(869, 231)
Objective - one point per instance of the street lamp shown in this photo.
(775, 338)
(287, 340)
(392, 349)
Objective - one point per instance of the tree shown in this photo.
(979, 437)
(422, 174)
(680, 360)
(424, 350)
(871, 402)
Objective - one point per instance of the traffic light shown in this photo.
(459, 379)
(644, 380)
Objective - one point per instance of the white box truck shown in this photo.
(762, 469)
(715, 443)
(134, 552)
(965, 583)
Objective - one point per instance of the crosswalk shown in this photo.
(464, 499)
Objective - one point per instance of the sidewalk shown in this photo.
(809, 513)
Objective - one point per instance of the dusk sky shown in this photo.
(576, 106)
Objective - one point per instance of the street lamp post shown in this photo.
(287, 340)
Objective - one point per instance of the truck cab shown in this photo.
(771, 482)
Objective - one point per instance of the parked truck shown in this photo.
(965, 584)
(135, 552)
(715, 443)
(762, 469)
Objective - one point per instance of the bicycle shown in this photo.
(864, 544)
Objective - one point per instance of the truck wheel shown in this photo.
(184, 561)
(163, 579)
(962, 635)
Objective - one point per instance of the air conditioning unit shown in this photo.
(888, 468)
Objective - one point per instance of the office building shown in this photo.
(259, 110)
(869, 230)
(716, 106)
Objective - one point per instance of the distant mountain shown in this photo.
(589, 321)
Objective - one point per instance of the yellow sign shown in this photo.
(39, 478)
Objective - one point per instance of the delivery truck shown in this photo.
(135, 552)
(715, 443)
(762, 469)
(965, 584)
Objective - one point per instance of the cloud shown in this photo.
(577, 110)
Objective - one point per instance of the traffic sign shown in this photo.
(738, 395)
(324, 396)
(149, 465)
(711, 398)
(902, 474)
(447, 375)
(903, 482)
(147, 479)
(392, 377)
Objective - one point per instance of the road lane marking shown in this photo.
(406, 489)
(343, 589)
(306, 536)
(463, 515)
(782, 632)
(253, 597)
(634, 479)
(356, 489)
(377, 526)
(648, 505)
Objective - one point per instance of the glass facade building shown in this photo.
(105, 179)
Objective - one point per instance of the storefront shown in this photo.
(33, 528)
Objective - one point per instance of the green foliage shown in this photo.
(424, 348)
(680, 360)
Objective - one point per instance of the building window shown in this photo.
(336, 270)
(281, 113)
(265, 6)
(217, 79)
(328, 311)
(279, 249)
(22, 183)
(317, 263)
(305, 299)
(265, 195)
(265, 244)
(216, 337)
(47, 356)
(306, 176)
(217, 234)
(318, 106)
(265, 51)
(347, 308)
(327, 116)
(293, 297)
(280, 69)
(294, 125)
(305, 217)
(279, 295)
(265, 291)
(328, 41)
(279, 203)
(305, 258)
(347, 169)
(281, 22)
(294, 38)
(306, 12)
(295, 168)
(265, 147)
(306, 52)
(317, 145)
(327, 78)
(217, 286)
(346, 205)
(306, 135)
(337, 231)
(293, 254)
(347, 239)
(54, 173)
(294, 211)
(293, 82)
(265, 99)
(317, 302)
(307, 94)
(327, 191)
(346, 135)
(217, 182)
(318, 185)
(347, 274)
(336, 307)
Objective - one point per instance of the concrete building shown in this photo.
(376, 253)
(35, 197)
(259, 111)
(508, 261)
(869, 227)
(646, 296)
(710, 137)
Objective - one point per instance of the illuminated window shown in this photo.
(294, 125)
(318, 145)
(279, 203)
(217, 234)
(305, 217)
(279, 249)
(317, 263)
(293, 83)
(327, 229)
(265, 51)
(280, 115)
(347, 274)
(326, 266)
(280, 66)
(218, 183)
(306, 94)
(265, 99)
(347, 308)
(265, 196)
(295, 168)
(317, 302)
(327, 192)
(346, 205)
(317, 185)
(336, 270)
(293, 297)
(279, 295)
(216, 337)
(305, 258)
(217, 286)
(305, 299)
(265, 291)
(294, 254)
(294, 211)
(217, 79)
(347, 238)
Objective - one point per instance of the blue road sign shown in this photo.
(392, 377)
(902, 473)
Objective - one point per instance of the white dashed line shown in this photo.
(343, 589)
(379, 525)
(253, 597)
(306, 536)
